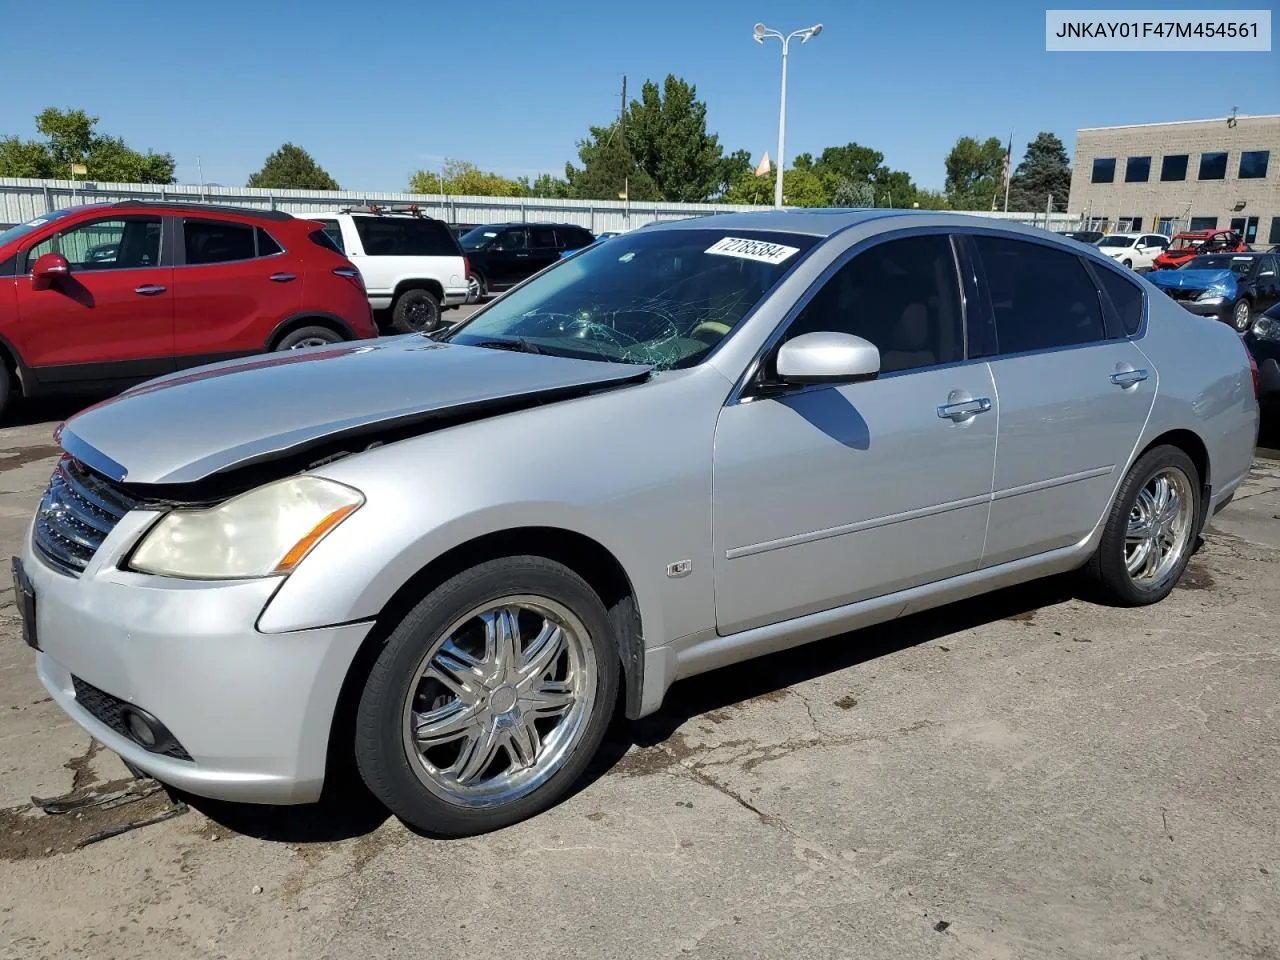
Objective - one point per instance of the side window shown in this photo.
(1041, 297)
(267, 245)
(1124, 295)
(405, 237)
(902, 295)
(542, 237)
(511, 240)
(573, 238)
(333, 231)
(217, 241)
(105, 245)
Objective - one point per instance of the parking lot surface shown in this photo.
(1022, 775)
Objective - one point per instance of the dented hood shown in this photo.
(188, 426)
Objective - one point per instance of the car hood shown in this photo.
(1193, 279)
(186, 427)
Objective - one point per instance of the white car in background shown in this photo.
(1137, 251)
(411, 264)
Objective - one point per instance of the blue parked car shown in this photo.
(1231, 287)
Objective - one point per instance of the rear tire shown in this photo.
(415, 311)
(309, 337)
(1241, 315)
(445, 730)
(1151, 531)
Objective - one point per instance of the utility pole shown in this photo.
(622, 112)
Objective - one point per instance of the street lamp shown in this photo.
(760, 33)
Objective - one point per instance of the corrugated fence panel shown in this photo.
(23, 199)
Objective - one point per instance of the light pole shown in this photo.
(760, 33)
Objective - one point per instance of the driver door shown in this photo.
(830, 494)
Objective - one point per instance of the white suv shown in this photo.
(1135, 250)
(410, 263)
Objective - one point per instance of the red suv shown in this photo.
(101, 296)
(1193, 243)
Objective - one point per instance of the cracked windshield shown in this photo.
(664, 299)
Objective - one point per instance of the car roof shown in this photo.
(200, 208)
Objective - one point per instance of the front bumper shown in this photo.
(253, 711)
(1219, 311)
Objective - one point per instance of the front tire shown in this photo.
(1241, 315)
(1151, 531)
(489, 698)
(416, 311)
(1129, 264)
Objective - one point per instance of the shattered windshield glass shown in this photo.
(660, 297)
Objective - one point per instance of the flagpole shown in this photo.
(1008, 172)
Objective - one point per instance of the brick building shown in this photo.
(1192, 174)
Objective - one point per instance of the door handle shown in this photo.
(284, 277)
(964, 409)
(1128, 378)
(148, 289)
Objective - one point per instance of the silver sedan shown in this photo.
(452, 558)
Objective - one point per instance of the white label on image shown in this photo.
(752, 250)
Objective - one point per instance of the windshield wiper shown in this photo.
(519, 346)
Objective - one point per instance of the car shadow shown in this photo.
(32, 412)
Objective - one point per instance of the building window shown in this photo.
(1173, 167)
(1275, 230)
(1204, 223)
(1213, 166)
(1137, 170)
(1135, 223)
(1253, 164)
(1104, 170)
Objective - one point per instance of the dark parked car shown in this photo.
(1232, 287)
(1084, 236)
(503, 254)
(1263, 341)
(100, 296)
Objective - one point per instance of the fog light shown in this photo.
(141, 729)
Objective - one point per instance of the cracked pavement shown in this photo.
(1022, 775)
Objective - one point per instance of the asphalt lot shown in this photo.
(1022, 775)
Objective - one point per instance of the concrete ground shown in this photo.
(1024, 775)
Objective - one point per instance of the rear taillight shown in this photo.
(1253, 368)
(466, 269)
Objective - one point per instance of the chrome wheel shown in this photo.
(1240, 316)
(310, 342)
(500, 702)
(1160, 528)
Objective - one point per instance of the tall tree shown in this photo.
(608, 168)
(1044, 171)
(70, 138)
(800, 188)
(667, 132)
(732, 167)
(854, 172)
(292, 168)
(974, 173)
(549, 185)
(463, 179)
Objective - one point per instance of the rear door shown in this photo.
(1074, 394)
(508, 258)
(234, 284)
(543, 249)
(111, 317)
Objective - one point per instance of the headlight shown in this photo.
(261, 533)
(1211, 296)
(1267, 328)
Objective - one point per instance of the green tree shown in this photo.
(667, 133)
(974, 173)
(292, 168)
(800, 188)
(852, 173)
(608, 168)
(70, 138)
(732, 167)
(1044, 171)
(549, 185)
(931, 200)
(463, 179)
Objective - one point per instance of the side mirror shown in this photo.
(48, 268)
(826, 357)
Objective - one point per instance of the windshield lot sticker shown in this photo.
(752, 250)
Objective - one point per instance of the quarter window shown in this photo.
(1174, 168)
(1253, 164)
(903, 296)
(1213, 166)
(267, 245)
(217, 241)
(1125, 297)
(333, 230)
(1137, 170)
(1042, 298)
(105, 245)
(1104, 170)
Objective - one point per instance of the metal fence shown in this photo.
(23, 199)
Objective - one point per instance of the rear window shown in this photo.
(217, 241)
(405, 237)
(1124, 295)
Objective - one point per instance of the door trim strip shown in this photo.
(1052, 482)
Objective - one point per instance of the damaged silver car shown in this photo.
(454, 559)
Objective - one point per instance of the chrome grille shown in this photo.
(77, 512)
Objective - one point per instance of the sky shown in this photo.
(375, 91)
